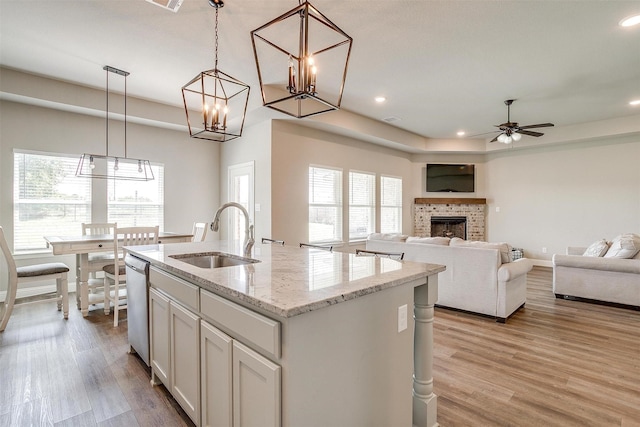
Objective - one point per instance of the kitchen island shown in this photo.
(293, 337)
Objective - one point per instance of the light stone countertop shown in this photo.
(288, 280)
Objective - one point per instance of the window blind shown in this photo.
(325, 205)
(390, 204)
(362, 205)
(136, 203)
(48, 199)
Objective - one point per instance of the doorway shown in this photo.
(241, 190)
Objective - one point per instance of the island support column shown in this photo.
(424, 400)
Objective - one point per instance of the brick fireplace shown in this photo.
(426, 209)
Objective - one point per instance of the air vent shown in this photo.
(172, 5)
(391, 119)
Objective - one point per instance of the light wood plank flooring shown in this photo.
(554, 363)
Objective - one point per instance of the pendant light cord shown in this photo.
(125, 117)
(216, 42)
(107, 121)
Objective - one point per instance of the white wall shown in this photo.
(295, 148)
(568, 195)
(253, 146)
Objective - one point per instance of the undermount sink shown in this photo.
(213, 260)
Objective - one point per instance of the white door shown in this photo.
(241, 190)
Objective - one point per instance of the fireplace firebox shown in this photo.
(449, 226)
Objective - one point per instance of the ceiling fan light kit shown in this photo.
(511, 131)
(301, 58)
(215, 103)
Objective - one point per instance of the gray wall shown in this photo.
(70, 126)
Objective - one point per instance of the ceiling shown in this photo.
(444, 66)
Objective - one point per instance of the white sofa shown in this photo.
(597, 278)
(476, 279)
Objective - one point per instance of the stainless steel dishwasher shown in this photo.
(138, 305)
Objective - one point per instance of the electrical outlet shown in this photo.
(402, 318)
(544, 250)
(497, 208)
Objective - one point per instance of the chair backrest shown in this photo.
(98, 228)
(8, 256)
(199, 231)
(399, 256)
(136, 236)
(309, 245)
(273, 241)
(131, 236)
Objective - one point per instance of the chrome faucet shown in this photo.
(248, 234)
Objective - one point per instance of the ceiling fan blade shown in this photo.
(540, 125)
(485, 133)
(530, 133)
(495, 139)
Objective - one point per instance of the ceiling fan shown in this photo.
(511, 131)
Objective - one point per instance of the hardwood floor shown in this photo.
(554, 363)
(76, 373)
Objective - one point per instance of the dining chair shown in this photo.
(115, 273)
(96, 262)
(199, 231)
(398, 256)
(324, 248)
(28, 274)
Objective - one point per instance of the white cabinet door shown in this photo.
(256, 389)
(185, 358)
(215, 362)
(159, 335)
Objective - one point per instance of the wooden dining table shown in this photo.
(82, 246)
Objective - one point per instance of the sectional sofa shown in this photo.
(480, 277)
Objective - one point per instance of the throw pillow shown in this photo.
(624, 246)
(597, 249)
(444, 241)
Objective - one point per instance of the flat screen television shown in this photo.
(447, 178)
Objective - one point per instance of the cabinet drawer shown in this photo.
(242, 323)
(180, 290)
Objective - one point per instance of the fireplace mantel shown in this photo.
(449, 201)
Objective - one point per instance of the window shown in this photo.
(362, 205)
(390, 204)
(136, 203)
(325, 205)
(48, 199)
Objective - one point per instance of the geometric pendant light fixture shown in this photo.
(105, 166)
(215, 103)
(302, 60)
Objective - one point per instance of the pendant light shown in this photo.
(302, 59)
(114, 167)
(215, 102)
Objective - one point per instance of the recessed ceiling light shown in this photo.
(630, 21)
(380, 99)
(635, 102)
(460, 133)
